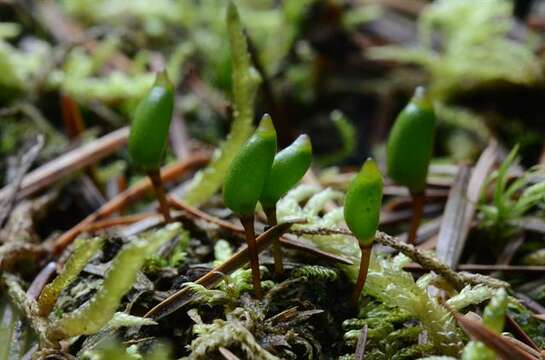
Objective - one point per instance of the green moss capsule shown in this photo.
(150, 124)
(410, 144)
(288, 168)
(363, 202)
(249, 170)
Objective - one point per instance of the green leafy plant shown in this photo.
(90, 318)
(361, 212)
(245, 83)
(475, 47)
(149, 132)
(287, 169)
(511, 201)
(244, 184)
(386, 280)
(83, 252)
(348, 137)
(409, 151)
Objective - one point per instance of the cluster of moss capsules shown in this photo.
(259, 174)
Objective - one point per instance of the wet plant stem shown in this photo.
(364, 267)
(418, 209)
(157, 182)
(248, 224)
(277, 248)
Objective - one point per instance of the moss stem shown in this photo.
(277, 248)
(248, 224)
(418, 209)
(364, 267)
(157, 182)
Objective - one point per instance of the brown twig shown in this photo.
(117, 221)
(458, 280)
(213, 277)
(486, 268)
(233, 229)
(73, 160)
(476, 330)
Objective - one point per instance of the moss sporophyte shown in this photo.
(361, 213)
(409, 151)
(288, 168)
(244, 184)
(149, 132)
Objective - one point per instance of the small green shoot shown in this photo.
(149, 132)
(409, 150)
(288, 167)
(94, 315)
(510, 202)
(361, 213)
(244, 184)
(83, 252)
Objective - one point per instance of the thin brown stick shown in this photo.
(127, 197)
(457, 280)
(214, 277)
(277, 249)
(519, 332)
(486, 268)
(364, 267)
(418, 208)
(248, 224)
(73, 160)
(158, 187)
(117, 221)
(292, 243)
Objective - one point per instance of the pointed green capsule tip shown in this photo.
(162, 79)
(363, 202)
(232, 12)
(288, 168)
(249, 169)
(410, 144)
(150, 124)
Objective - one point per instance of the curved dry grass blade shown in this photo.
(451, 240)
(213, 277)
(504, 348)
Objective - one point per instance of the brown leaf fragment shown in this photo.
(504, 348)
(451, 240)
